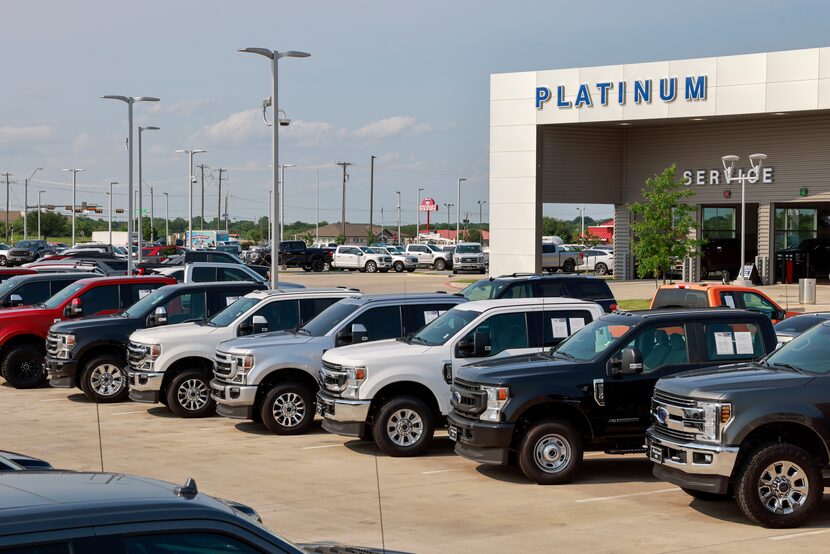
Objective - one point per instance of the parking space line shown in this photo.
(132, 412)
(796, 535)
(212, 428)
(600, 498)
(51, 399)
(437, 471)
(320, 446)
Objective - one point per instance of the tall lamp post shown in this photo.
(756, 162)
(141, 194)
(74, 203)
(39, 204)
(282, 199)
(129, 100)
(275, 56)
(190, 179)
(26, 203)
(398, 208)
(458, 211)
(418, 213)
(110, 226)
(167, 218)
(480, 204)
(450, 205)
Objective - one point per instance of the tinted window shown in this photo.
(468, 249)
(661, 346)
(551, 288)
(329, 318)
(416, 316)
(280, 315)
(233, 274)
(757, 303)
(597, 337)
(809, 352)
(557, 325)
(383, 322)
(727, 298)
(680, 298)
(732, 341)
(130, 294)
(225, 317)
(34, 292)
(63, 295)
(506, 331)
(53, 548)
(484, 290)
(100, 299)
(312, 307)
(798, 324)
(192, 543)
(548, 249)
(188, 306)
(589, 289)
(204, 274)
(519, 290)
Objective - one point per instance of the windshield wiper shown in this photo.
(417, 340)
(563, 354)
(786, 366)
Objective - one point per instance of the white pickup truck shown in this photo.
(430, 256)
(556, 257)
(361, 258)
(397, 391)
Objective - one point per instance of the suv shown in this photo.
(593, 391)
(28, 251)
(59, 512)
(703, 295)
(529, 285)
(91, 353)
(430, 256)
(28, 290)
(23, 330)
(174, 365)
(274, 378)
(756, 431)
(468, 256)
(400, 389)
(362, 258)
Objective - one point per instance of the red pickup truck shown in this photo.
(23, 330)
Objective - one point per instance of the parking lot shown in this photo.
(321, 487)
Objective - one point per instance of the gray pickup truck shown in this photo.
(555, 257)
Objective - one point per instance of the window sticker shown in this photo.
(560, 327)
(230, 300)
(730, 301)
(743, 343)
(429, 315)
(143, 292)
(576, 323)
(723, 343)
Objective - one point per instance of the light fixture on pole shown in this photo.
(141, 193)
(39, 204)
(450, 205)
(458, 211)
(418, 213)
(190, 180)
(74, 203)
(756, 162)
(110, 226)
(26, 203)
(167, 218)
(275, 56)
(129, 100)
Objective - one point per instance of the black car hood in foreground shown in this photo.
(86, 323)
(512, 368)
(724, 381)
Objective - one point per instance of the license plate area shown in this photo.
(453, 433)
(655, 454)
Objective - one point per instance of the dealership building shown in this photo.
(595, 134)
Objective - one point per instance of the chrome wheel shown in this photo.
(193, 394)
(552, 453)
(405, 427)
(289, 409)
(106, 380)
(783, 487)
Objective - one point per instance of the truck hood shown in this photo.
(512, 368)
(177, 332)
(7, 314)
(86, 324)
(266, 340)
(382, 352)
(724, 381)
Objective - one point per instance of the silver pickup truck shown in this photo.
(555, 257)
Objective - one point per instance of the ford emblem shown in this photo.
(456, 397)
(661, 414)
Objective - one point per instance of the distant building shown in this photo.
(602, 231)
(448, 236)
(356, 233)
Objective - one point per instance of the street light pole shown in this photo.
(458, 211)
(190, 180)
(448, 217)
(317, 205)
(480, 204)
(141, 193)
(129, 100)
(38, 213)
(74, 203)
(110, 226)
(418, 214)
(756, 162)
(167, 219)
(26, 203)
(151, 214)
(372, 194)
(282, 199)
(398, 208)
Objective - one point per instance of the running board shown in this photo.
(627, 451)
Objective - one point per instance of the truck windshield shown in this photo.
(229, 314)
(444, 327)
(483, 290)
(147, 303)
(25, 244)
(591, 341)
(809, 352)
(468, 249)
(329, 318)
(62, 296)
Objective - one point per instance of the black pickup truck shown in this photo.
(593, 390)
(757, 431)
(295, 253)
(91, 353)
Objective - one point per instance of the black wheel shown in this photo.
(370, 267)
(410, 270)
(706, 496)
(3, 260)
(318, 265)
(288, 409)
(403, 427)
(440, 265)
(306, 268)
(779, 485)
(455, 272)
(398, 267)
(550, 452)
(568, 266)
(601, 269)
(188, 394)
(23, 367)
(104, 380)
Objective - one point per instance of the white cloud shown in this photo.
(184, 108)
(238, 128)
(308, 133)
(392, 126)
(18, 135)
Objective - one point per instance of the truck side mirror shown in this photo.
(75, 309)
(464, 348)
(15, 300)
(260, 324)
(481, 344)
(160, 316)
(359, 333)
(631, 364)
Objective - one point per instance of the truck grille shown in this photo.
(135, 354)
(467, 398)
(469, 260)
(680, 435)
(387, 260)
(52, 344)
(333, 378)
(223, 365)
(676, 416)
(673, 399)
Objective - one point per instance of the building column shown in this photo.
(765, 241)
(623, 256)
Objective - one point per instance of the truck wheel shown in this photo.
(188, 394)
(317, 266)
(3, 260)
(23, 367)
(399, 267)
(779, 486)
(371, 267)
(706, 496)
(403, 427)
(550, 452)
(440, 265)
(288, 409)
(568, 266)
(601, 269)
(104, 380)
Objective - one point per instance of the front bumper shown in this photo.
(692, 465)
(145, 386)
(61, 372)
(481, 441)
(341, 416)
(233, 401)
(10, 259)
(478, 266)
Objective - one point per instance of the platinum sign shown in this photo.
(644, 91)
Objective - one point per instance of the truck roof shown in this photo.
(126, 279)
(308, 292)
(553, 302)
(29, 277)
(693, 313)
(404, 297)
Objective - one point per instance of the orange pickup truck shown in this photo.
(703, 295)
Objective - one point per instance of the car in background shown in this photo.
(556, 257)
(25, 251)
(705, 295)
(12, 461)
(101, 264)
(9, 272)
(431, 256)
(468, 256)
(361, 258)
(599, 261)
(542, 286)
(794, 326)
(400, 259)
(4, 253)
(160, 253)
(28, 290)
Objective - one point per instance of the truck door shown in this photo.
(666, 349)
(508, 336)
(345, 257)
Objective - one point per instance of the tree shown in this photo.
(661, 231)
(474, 235)
(341, 239)
(52, 225)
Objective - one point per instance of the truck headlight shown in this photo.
(355, 378)
(153, 351)
(65, 345)
(716, 416)
(496, 399)
(244, 364)
(481, 259)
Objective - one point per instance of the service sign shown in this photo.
(716, 177)
(691, 88)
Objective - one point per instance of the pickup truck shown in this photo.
(523, 285)
(174, 364)
(28, 290)
(274, 378)
(555, 257)
(402, 389)
(23, 331)
(295, 253)
(705, 295)
(593, 391)
(28, 251)
(755, 431)
(91, 353)
(430, 256)
(362, 258)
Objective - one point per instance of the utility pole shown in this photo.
(458, 211)
(317, 205)
(202, 223)
(480, 204)
(372, 193)
(448, 217)
(226, 211)
(110, 225)
(39, 204)
(152, 221)
(7, 175)
(167, 219)
(219, 203)
(398, 207)
(26, 203)
(344, 165)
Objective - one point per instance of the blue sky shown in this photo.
(406, 82)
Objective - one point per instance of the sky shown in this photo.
(405, 82)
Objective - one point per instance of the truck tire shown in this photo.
(306, 268)
(601, 269)
(188, 394)
(3, 261)
(706, 496)
(403, 427)
(779, 485)
(550, 452)
(371, 267)
(318, 265)
(568, 266)
(104, 380)
(398, 267)
(440, 265)
(288, 409)
(23, 367)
